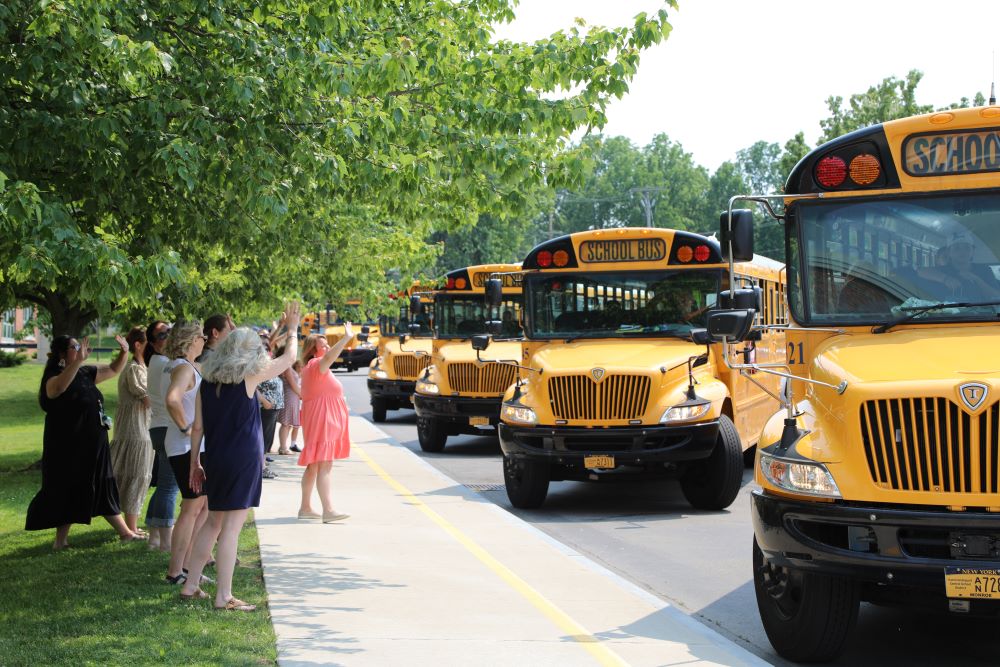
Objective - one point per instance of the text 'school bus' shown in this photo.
(618, 375)
(880, 477)
(458, 393)
(403, 352)
(358, 353)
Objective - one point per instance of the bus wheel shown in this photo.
(378, 410)
(807, 616)
(712, 484)
(527, 482)
(431, 434)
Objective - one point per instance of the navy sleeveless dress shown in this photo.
(234, 446)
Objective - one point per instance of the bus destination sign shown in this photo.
(479, 279)
(623, 250)
(951, 153)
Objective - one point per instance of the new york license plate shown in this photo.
(594, 462)
(479, 421)
(968, 582)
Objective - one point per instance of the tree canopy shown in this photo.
(226, 154)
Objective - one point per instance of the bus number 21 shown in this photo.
(791, 354)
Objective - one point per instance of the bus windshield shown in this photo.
(620, 304)
(401, 323)
(872, 262)
(465, 316)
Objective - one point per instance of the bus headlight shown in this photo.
(685, 412)
(427, 387)
(378, 374)
(799, 476)
(518, 414)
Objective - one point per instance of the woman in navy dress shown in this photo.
(229, 471)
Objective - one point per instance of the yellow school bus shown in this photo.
(403, 352)
(358, 353)
(458, 393)
(619, 378)
(880, 476)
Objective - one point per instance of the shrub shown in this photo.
(11, 359)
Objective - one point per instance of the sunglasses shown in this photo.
(163, 335)
(75, 347)
(203, 337)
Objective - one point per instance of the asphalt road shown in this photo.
(698, 561)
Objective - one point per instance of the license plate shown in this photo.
(969, 582)
(339, 360)
(593, 462)
(479, 421)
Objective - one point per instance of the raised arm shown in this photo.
(279, 365)
(334, 352)
(116, 366)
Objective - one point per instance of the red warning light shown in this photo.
(831, 171)
(702, 253)
(544, 259)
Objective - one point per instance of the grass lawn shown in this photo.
(102, 602)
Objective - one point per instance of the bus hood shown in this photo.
(615, 355)
(912, 358)
(461, 350)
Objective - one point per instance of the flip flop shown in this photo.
(197, 595)
(235, 604)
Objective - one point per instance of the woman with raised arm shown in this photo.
(77, 480)
(229, 470)
(324, 424)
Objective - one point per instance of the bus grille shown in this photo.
(931, 444)
(487, 379)
(408, 366)
(617, 397)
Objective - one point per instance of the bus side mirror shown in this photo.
(363, 337)
(744, 298)
(701, 337)
(494, 327)
(733, 324)
(737, 233)
(402, 339)
(480, 342)
(494, 293)
(415, 306)
(414, 329)
(366, 329)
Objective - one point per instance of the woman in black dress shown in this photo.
(77, 479)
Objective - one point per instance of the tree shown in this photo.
(892, 98)
(225, 154)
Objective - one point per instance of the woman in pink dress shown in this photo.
(324, 424)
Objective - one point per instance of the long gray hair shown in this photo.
(238, 355)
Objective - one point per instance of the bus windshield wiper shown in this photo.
(920, 310)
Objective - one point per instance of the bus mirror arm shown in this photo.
(507, 362)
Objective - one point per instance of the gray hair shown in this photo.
(236, 357)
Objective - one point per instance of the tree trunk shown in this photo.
(68, 319)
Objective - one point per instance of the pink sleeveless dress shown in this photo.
(324, 416)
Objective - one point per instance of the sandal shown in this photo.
(284, 452)
(197, 595)
(179, 579)
(134, 537)
(235, 604)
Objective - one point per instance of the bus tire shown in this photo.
(807, 616)
(432, 435)
(527, 482)
(378, 410)
(712, 484)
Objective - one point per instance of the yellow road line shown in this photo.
(576, 632)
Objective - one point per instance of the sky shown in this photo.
(735, 72)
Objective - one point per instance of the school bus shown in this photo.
(619, 378)
(358, 353)
(458, 393)
(403, 352)
(879, 476)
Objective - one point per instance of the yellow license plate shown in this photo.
(593, 462)
(479, 421)
(340, 360)
(968, 582)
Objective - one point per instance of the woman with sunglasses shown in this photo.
(163, 502)
(77, 480)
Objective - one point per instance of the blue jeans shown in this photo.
(160, 513)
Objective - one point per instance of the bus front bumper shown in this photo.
(638, 445)
(462, 413)
(891, 547)
(393, 392)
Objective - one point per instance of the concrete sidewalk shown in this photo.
(427, 572)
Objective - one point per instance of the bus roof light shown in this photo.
(831, 171)
(702, 253)
(450, 284)
(460, 283)
(544, 259)
(560, 258)
(684, 254)
(865, 169)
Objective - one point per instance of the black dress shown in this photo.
(77, 480)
